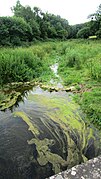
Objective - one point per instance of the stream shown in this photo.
(44, 134)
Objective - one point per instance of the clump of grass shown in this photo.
(81, 64)
(24, 64)
(94, 66)
(91, 104)
(83, 56)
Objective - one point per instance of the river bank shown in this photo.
(43, 130)
(79, 65)
(54, 134)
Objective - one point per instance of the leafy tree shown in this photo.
(14, 30)
(95, 23)
(29, 24)
(17, 10)
(4, 33)
(74, 30)
(97, 15)
(38, 14)
(29, 16)
(35, 29)
(56, 26)
(84, 33)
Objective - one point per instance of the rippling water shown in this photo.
(15, 153)
(43, 135)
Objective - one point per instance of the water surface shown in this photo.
(44, 134)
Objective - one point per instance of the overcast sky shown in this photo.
(75, 11)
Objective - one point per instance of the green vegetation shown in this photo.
(91, 104)
(14, 31)
(66, 129)
(25, 64)
(8, 100)
(79, 60)
(80, 65)
(29, 25)
(42, 146)
(31, 42)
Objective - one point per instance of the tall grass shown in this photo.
(90, 102)
(94, 66)
(80, 64)
(84, 57)
(24, 64)
(78, 60)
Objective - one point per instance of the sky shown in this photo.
(75, 11)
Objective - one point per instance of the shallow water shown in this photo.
(14, 137)
(54, 68)
(44, 134)
(37, 139)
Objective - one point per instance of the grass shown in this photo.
(25, 64)
(79, 65)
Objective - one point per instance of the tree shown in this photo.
(74, 30)
(29, 24)
(17, 10)
(95, 23)
(14, 30)
(57, 27)
(84, 33)
(35, 29)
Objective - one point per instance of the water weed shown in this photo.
(79, 64)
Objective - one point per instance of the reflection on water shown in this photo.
(42, 135)
(18, 158)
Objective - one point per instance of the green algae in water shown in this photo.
(63, 113)
(9, 101)
(42, 146)
(45, 155)
(26, 119)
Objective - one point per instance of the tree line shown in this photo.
(28, 25)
